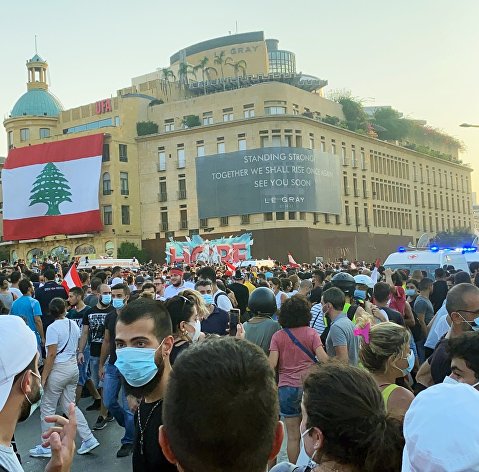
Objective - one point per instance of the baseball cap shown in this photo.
(140, 279)
(17, 349)
(238, 275)
(441, 429)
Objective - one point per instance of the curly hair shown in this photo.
(195, 297)
(295, 312)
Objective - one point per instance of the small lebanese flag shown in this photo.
(52, 188)
(231, 267)
(292, 262)
(72, 279)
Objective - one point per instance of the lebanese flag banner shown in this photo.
(292, 262)
(72, 279)
(52, 188)
(230, 266)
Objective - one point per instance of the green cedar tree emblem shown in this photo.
(50, 187)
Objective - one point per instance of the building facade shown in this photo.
(250, 99)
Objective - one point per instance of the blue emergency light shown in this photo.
(469, 249)
(401, 249)
(434, 248)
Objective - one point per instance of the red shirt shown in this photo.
(397, 300)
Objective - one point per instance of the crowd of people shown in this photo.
(352, 367)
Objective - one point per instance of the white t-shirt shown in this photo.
(439, 327)
(9, 460)
(59, 333)
(171, 291)
(221, 300)
(16, 292)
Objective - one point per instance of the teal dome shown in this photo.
(37, 102)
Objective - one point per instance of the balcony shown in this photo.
(364, 166)
(181, 194)
(162, 197)
(164, 226)
(345, 161)
(366, 193)
(184, 224)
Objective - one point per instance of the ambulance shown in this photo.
(428, 259)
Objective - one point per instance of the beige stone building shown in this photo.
(251, 98)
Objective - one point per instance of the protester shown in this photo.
(220, 298)
(20, 394)
(439, 291)
(92, 299)
(280, 296)
(240, 291)
(60, 377)
(46, 293)
(215, 320)
(7, 297)
(464, 354)
(143, 345)
(381, 294)
(424, 312)
(234, 427)
(176, 283)
(344, 424)
(294, 350)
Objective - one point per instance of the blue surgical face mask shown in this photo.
(410, 292)
(208, 298)
(118, 303)
(106, 299)
(360, 294)
(473, 324)
(137, 364)
(410, 364)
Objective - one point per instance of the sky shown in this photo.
(419, 56)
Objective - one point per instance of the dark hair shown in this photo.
(34, 277)
(101, 275)
(116, 269)
(30, 366)
(148, 308)
(121, 286)
(49, 274)
(462, 277)
(276, 281)
(466, 346)
(238, 397)
(320, 274)
(83, 276)
(4, 282)
(203, 283)
(180, 309)
(397, 279)
(95, 283)
(345, 403)
(24, 286)
(336, 297)
(413, 282)
(148, 285)
(57, 307)
(381, 292)
(77, 291)
(286, 284)
(295, 312)
(457, 294)
(207, 273)
(439, 273)
(425, 284)
(473, 266)
(16, 275)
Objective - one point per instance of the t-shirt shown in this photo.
(439, 294)
(424, 305)
(241, 294)
(288, 467)
(392, 315)
(110, 325)
(221, 300)
(177, 350)
(293, 363)
(47, 293)
(16, 292)
(27, 308)
(437, 328)
(317, 318)
(152, 459)
(398, 300)
(9, 460)
(65, 334)
(171, 291)
(216, 323)
(95, 320)
(77, 316)
(91, 300)
(341, 333)
(260, 330)
(440, 362)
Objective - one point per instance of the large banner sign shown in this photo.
(52, 188)
(268, 179)
(232, 249)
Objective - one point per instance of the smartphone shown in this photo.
(234, 319)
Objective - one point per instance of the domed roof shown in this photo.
(37, 102)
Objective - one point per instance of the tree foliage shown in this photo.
(144, 128)
(129, 250)
(190, 121)
(395, 127)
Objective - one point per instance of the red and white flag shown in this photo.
(230, 266)
(72, 279)
(292, 262)
(52, 188)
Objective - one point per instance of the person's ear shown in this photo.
(165, 446)
(277, 441)
(26, 382)
(318, 438)
(456, 317)
(167, 346)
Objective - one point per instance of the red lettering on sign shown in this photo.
(103, 106)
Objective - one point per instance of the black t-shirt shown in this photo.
(95, 320)
(77, 316)
(152, 458)
(440, 362)
(393, 315)
(241, 294)
(110, 325)
(177, 350)
(216, 323)
(45, 295)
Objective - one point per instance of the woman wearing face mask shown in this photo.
(60, 377)
(345, 427)
(386, 353)
(279, 294)
(185, 322)
(197, 298)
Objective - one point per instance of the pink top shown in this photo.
(293, 363)
(398, 300)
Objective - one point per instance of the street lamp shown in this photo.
(467, 125)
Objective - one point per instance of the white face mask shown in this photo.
(197, 326)
(450, 380)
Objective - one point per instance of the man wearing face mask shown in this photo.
(217, 321)
(111, 376)
(94, 330)
(20, 394)
(143, 345)
(462, 304)
(464, 353)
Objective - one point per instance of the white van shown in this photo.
(130, 264)
(426, 260)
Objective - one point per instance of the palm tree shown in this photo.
(205, 71)
(221, 60)
(184, 70)
(166, 73)
(239, 66)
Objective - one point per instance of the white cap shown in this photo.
(18, 346)
(441, 429)
(364, 280)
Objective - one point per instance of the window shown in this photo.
(181, 156)
(161, 159)
(106, 183)
(124, 183)
(302, 215)
(10, 139)
(163, 196)
(311, 143)
(224, 221)
(182, 189)
(295, 109)
(292, 215)
(125, 215)
(122, 148)
(280, 215)
(107, 215)
(183, 219)
(276, 141)
(220, 147)
(203, 222)
(164, 219)
(248, 110)
(323, 146)
(264, 141)
(169, 125)
(24, 134)
(333, 148)
(89, 126)
(275, 110)
(44, 133)
(245, 219)
(200, 150)
(268, 216)
(117, 121)
(227, 116)
(242, 144)
(208, 118)
(105, 157)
